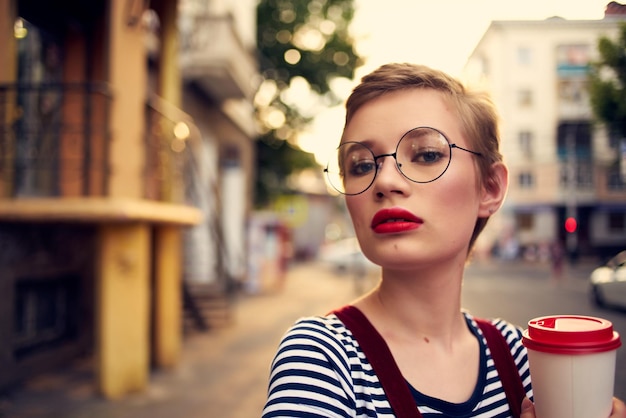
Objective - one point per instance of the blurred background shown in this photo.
(161, 183)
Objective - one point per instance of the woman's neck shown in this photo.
(424, 303)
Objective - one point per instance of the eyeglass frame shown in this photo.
(394, 155)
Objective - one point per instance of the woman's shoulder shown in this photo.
(321, 342)
(320, 333)
(319, 356)
(328, 321)
(327, 325)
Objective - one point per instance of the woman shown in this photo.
(421, 172)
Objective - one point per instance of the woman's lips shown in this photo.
(387, 221)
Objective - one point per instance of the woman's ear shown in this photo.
(493, 190)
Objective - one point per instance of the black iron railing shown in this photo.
(54, 139)
(171, 171)
(55, 142)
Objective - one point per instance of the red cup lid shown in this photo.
(570, 334)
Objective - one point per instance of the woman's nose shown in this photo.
(389, 178)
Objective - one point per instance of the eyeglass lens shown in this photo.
(422, 155)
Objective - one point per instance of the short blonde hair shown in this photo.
(476, 111)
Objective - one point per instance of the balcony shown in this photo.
(54, 140)
(55, 162)
(213, 57)
(171, 172)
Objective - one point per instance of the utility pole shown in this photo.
(571, 207)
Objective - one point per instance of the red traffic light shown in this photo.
(571, 225)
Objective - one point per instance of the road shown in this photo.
(520, 292)
(223, 373)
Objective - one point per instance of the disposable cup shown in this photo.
(572, 365)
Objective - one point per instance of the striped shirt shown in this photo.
(320, 371)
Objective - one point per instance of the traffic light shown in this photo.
(571, 225)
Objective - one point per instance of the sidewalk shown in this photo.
(223, 373)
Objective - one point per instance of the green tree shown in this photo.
(607, 84)
(304, 47)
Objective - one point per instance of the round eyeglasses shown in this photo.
(422, 155)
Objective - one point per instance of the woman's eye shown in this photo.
(360, 168)
(427, 157)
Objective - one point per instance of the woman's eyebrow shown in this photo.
(368, 142)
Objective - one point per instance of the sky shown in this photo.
(438, 33)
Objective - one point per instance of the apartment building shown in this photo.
(563, 164)
(111, 191)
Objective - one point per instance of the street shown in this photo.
(224, 372)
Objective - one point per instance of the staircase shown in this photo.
(206, 307)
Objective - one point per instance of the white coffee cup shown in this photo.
(572, 365)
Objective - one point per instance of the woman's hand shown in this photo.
(528, 409)
(619, 409)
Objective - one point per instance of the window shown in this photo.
(525, 221)
(524, 56)
(525, 180)
(574, 141)
(616, 142)
(616, 221)
(524, 98)
(525, 139)
(45, 313)
(578, 175)
(615, 181)
(572, 91)
(572, 60)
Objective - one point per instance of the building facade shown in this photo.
(119, 151)
(220, 78)
(563, 164)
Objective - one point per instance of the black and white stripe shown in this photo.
(320, 371)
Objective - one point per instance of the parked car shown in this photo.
(345, 256)
(608, 283)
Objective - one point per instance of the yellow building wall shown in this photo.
(127, 73)
(168, 296)
(169, 81)
(8, 13)
(123, 308)
(8, 74)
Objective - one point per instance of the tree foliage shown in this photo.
(303, 46)
(276, 161)
(607, 83)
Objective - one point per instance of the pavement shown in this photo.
(223, 373)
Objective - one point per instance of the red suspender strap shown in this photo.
(377, 352)
(397, 390)
(505, 364)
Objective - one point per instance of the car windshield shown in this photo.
(618, 260)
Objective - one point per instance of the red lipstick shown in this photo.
(394, 220)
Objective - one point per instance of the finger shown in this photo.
(619, 409)
(528, 409)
